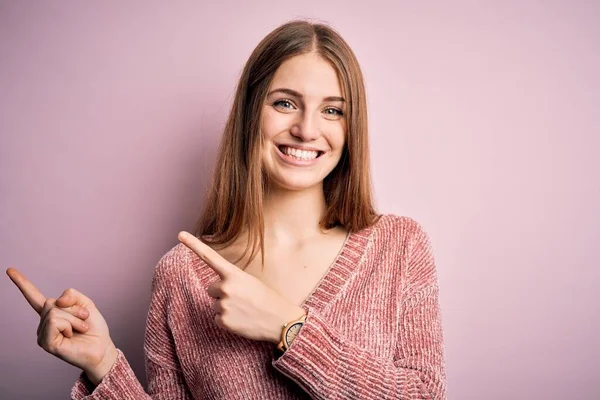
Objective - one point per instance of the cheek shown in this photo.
(338, 138)
(272, 123)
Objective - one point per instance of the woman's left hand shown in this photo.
(244, 306)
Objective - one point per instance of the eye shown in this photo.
(284, 103)
(335, 111)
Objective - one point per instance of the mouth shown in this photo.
(282, 151)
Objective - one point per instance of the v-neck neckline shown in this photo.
(340, 271)
(346, 261)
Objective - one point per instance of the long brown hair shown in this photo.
(235, 195)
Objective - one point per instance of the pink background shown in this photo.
(484, 127)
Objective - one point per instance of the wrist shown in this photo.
(96, 374)
(294, 314)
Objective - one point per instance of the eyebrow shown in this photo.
(292, 92)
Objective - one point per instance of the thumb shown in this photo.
(71, 297)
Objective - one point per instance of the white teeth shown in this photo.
(300, 154)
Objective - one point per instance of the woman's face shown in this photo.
(304, 109)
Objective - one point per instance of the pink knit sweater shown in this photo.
(373, 331)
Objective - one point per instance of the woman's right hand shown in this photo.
(71, 328)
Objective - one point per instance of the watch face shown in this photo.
(293, 331)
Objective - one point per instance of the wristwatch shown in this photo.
(289, 332)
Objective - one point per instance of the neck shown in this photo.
(292, 216)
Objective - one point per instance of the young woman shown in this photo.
(292, 286)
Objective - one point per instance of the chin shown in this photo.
(296, 184)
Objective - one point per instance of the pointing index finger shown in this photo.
(211, 257)
(35, 298)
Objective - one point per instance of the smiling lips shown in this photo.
(298, 157)
(300, 154)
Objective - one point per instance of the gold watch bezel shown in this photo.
(283, 344)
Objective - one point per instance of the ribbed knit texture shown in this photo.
(373, 331)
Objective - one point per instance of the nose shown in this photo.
(306, 128)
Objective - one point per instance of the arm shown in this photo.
(165, 378)
(327, 365)
(121, 383)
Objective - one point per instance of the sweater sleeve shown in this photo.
(165, 377)
(327, 365)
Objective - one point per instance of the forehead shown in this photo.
(308, 74)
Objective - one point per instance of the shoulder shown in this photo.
(174, 261)
(401, 228)
(401, 235)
